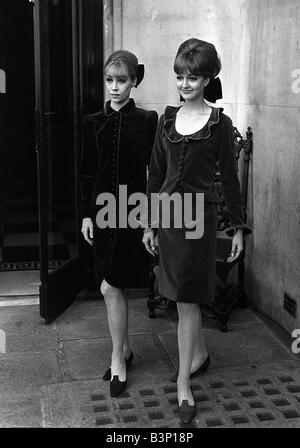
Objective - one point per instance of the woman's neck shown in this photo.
(118, 106)
(198, 106)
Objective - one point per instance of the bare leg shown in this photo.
(117, 315)
(126, 347)
(188, 331)
(200, 352)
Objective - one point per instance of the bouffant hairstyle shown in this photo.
(123, 58)
(197, 57)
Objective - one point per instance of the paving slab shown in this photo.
(23, 410)
(241, 346)
(26, 331)
(89, 358)
(27, 317)
(268, 397)
(50, 375)
(82, 321)
(87, 300)
(20, 371)
(14, 283)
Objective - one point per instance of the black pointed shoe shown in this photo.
(107, 374)
(116, 386)
(186, 411)
(204, 366)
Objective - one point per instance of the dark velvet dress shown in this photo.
(116, 151)
(185, 164)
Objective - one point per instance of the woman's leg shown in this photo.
(117, 315)
(188, 332)
(126, 347)
(200, 352)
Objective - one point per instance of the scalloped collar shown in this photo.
(125, 110)
(175, 137)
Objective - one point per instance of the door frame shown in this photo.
(58, 289)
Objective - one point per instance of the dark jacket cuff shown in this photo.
(231, 230)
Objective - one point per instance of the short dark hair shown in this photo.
(123, 57)
(197, 57)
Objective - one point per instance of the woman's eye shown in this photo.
(179, 78)
(192, 78)
(108, 80)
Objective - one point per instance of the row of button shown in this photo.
(183, 148)
(113, 184)
(115, 152)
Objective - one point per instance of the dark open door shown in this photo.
(60, 64)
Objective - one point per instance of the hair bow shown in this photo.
(140, 74)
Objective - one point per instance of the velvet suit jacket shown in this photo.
(116, 151)
(189, 162)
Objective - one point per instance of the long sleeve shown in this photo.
(88, 166)
(156, 177)
(158, 163)
(229, 179)
(151, 132)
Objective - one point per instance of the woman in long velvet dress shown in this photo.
(189, 141)
(116, 152)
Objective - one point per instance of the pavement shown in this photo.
(50, 375)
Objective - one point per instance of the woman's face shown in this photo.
(118, 84)
(191, 87)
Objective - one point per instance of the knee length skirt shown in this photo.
(187, 267)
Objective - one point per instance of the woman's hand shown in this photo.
(88, 230)
(148, 240)
(237, 246)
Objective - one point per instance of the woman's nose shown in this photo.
(115, 85)
(184, 82)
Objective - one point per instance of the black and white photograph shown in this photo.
(149, 217)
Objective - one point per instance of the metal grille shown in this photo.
(257, 401)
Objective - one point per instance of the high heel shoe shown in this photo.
(116, 386)
(186, 411)
(204, 366)
(107, 374)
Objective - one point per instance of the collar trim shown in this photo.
(127, 109)
(174, 137)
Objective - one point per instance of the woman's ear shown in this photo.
(206, 81)
(133, 82)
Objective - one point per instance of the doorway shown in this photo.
(68, 63)
(19, 247)
(63, 64)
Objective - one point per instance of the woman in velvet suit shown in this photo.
(190, 140)
(116, 152)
